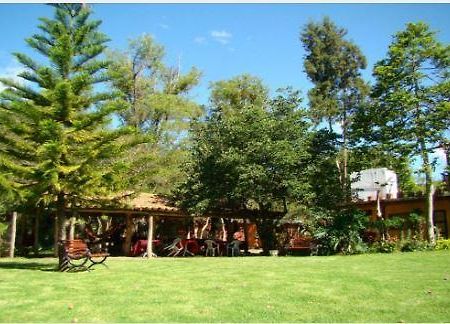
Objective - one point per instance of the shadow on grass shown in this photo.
(51, 267)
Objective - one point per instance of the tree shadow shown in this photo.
(37, 266)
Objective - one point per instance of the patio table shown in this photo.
(222, 246)
(191, 246)
(140, 247)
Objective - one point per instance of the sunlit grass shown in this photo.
(410, 287)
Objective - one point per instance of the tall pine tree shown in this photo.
(57, 144)
(334, 64)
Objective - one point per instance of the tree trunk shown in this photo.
(346, 180)
(430, 213)
(429, 210)
(150, 237)
(36, 233)
(345, 175)
(12, 234)
(202, 233)
(60, 224)
(224, 231)
(380, 218)
(266, 233)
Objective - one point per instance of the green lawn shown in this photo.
(410, 287)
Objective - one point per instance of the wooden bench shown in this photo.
(302, 246)
(75, 254)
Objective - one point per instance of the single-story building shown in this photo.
(402, 207)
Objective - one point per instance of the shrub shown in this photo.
(414, 245)
(442, 244)
(3, 228)
(339, 231)
(384, 247)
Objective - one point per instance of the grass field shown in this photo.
(409, 287)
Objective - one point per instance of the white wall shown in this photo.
(367, 182)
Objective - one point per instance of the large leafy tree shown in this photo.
(56, 144)
(333, 64)
(412, 109)
(249, 153)
(156, 101)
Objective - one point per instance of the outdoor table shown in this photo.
(190, 246)
(140, 247)
(222, 246)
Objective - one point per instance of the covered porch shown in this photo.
(148, 223)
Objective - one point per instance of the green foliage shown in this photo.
(414, 245)
(386, 246)
(412, 92)
(326, 188)
(155, 100)
(251, 152)
(338, 231)
(253, 144)
(442, 244)
(410, 114)
(3, 228)
(333, 64)
(56, 143)
(154, 95)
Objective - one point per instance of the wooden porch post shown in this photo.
(128, 235)
(72, 227)
(12, 234)
(150, 237)
(245, 225)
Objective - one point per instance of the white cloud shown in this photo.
(164, 26)
(221, 36)
(200, 40)
(10, 71)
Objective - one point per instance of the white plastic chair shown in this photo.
(234, 246)
(211, 248)
(175, 248)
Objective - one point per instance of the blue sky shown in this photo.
(224, 40)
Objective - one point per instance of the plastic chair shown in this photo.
(211, 248)
(175, 248)
(234, 247)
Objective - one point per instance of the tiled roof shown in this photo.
(151, 202)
